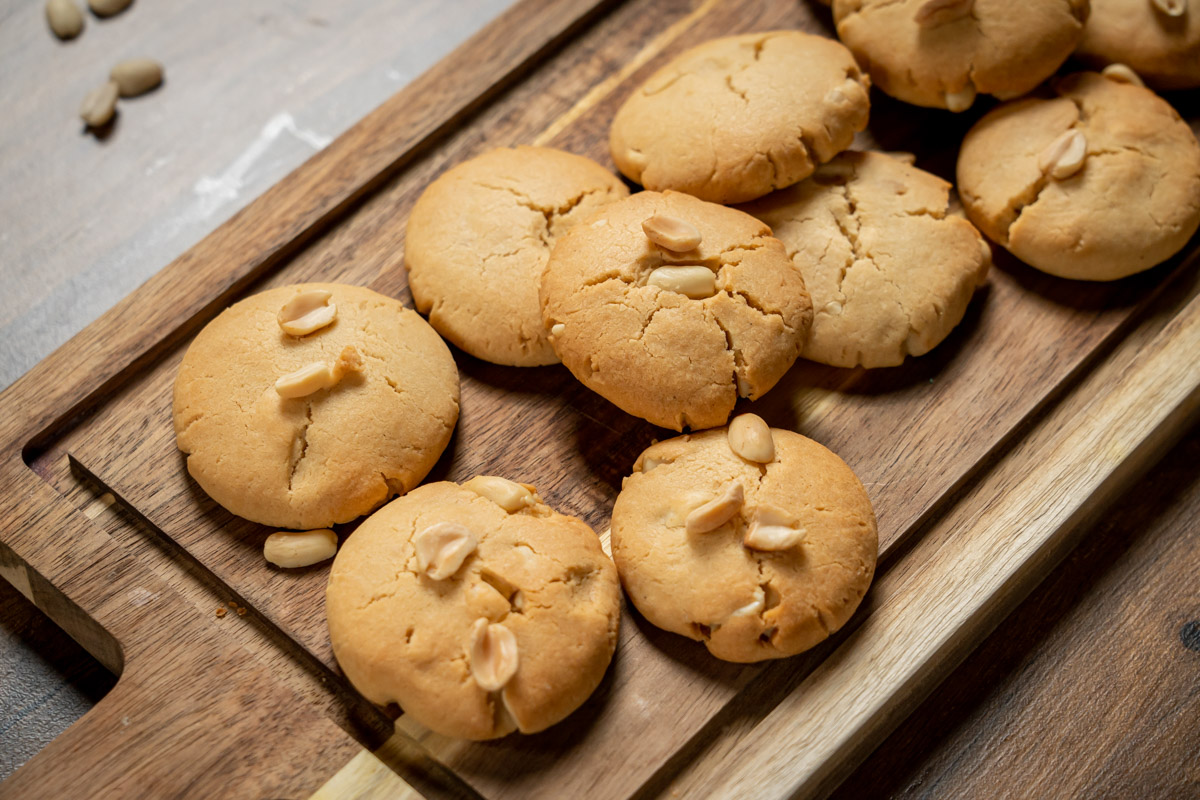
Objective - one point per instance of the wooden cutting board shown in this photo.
(981, 458)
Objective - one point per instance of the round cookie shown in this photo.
(629, 332)
(403, 636)
(1163, 49)
(332, 455)
(890, 264)
(1097, 183)
(745, 604)
(941, 53)
(735, 118)
(478, 239)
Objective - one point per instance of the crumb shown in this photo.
(241, 612)
(220, 611)
(232, 604)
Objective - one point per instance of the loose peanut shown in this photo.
(100, 104)
(106, 8)
(962, 99)
(65, 18)
(137, 76)
(294, 549)
(1122, 74)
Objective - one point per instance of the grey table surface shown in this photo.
(253, 88)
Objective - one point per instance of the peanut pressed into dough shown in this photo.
(333, 454)
(744, 604)
(675, 359)
(1133, 202)
(403, 636)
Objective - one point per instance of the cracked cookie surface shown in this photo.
(401, 636)
(735, 118)
(675, 360)
(1133, 203)
(964, 48)
(1163, 50)
(890, 266)
(329, 457)
(479, 237)
(744, 605)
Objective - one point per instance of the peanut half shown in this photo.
(939, 12)
(1172, 8)
(106, 8)
(493, 658)
(772, 529)
(318, 376)
(717, 511)
(509, 495)
(750, 437)
(65, 18)
(1122, 73)
(294, 549)
(961, 100)
(695, 282)
(307, 312)
(672, 233)
(1063, 157)
(136, 76)
(442, 548)
(100, 104)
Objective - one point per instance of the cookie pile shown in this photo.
(758, 238)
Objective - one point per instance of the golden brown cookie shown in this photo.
(305, 430)
(941, 53)
(674, 336)
(1097, 183)
(735, 118)
(477, 608)
(1158, 39)
(478, 239)
(890, 263)
(759, 553)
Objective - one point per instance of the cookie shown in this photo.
(735, 118)
(319, 426)
(478, 239)
(1158, 39)
(758, 542)
(890, 263)
(674, 336)
(477, 608)
(1095, 183)
(942, 53)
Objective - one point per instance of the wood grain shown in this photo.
(1087, 689)
(919, 435)
(972, 566)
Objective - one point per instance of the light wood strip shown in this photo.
(967, 573)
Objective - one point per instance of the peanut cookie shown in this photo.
(1158, 39)
(941, 53)
(1097, 183)
(754, 540)
(671, 307)
(310, 405)
(478, 239)
(477, 608)
(735, 118)
(890, 264)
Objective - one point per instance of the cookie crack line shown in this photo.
(300, 438)
(549, 213)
